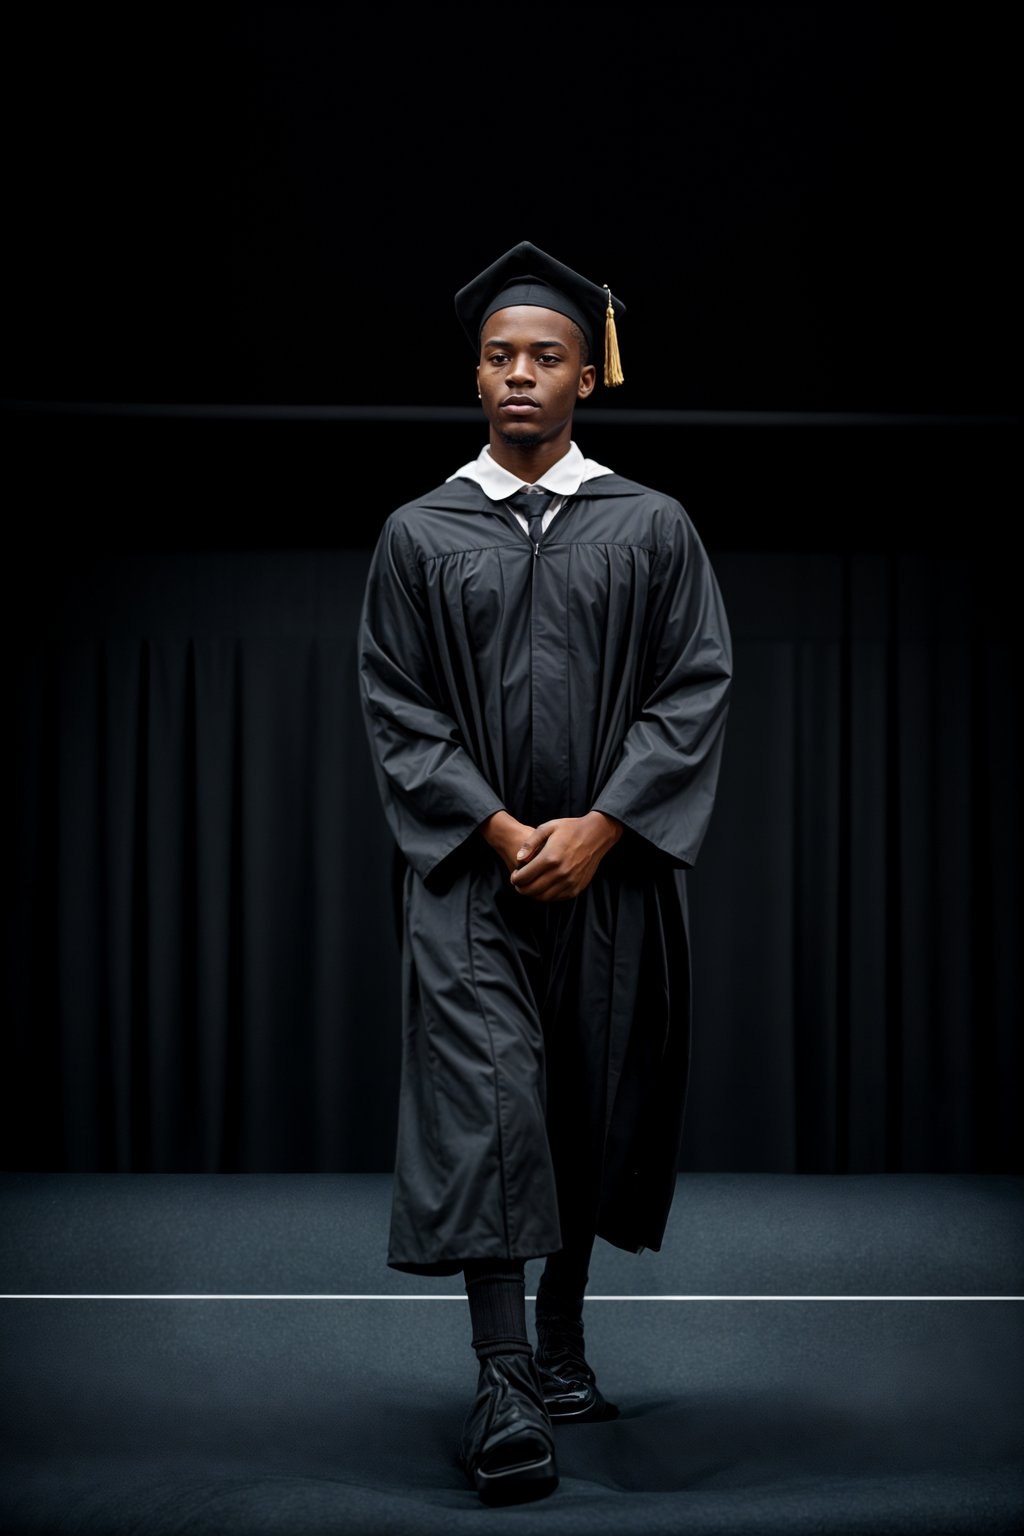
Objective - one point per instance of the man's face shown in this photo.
(530, 374)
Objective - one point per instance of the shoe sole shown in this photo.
(594, 1413)
(517, 1483)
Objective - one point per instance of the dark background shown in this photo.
(232, 243)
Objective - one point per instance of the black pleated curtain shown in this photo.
(203, 973)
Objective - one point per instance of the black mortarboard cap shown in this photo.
(527, 275)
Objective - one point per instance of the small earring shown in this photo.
(479, 395)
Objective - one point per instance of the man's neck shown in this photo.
(528, 461)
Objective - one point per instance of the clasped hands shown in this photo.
(558, 859)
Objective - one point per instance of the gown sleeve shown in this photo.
(662, 784)
(434, 795)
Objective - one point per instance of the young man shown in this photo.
(545, 668)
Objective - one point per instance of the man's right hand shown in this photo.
(506, 836)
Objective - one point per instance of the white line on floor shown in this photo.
(400, 1296)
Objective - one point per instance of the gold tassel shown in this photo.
(612, 362)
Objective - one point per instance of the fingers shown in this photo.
(558, 889)
(538, 861)
(534, 842)
(547, 879)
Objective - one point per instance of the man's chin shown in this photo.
(522, 436)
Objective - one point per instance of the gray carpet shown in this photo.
(308, 1416)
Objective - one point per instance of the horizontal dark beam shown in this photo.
(625, 416)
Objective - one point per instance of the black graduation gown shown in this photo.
(545, 1044)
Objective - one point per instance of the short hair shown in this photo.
(576, 331)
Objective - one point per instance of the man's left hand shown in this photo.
(560, 857)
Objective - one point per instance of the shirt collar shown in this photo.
(563, 478)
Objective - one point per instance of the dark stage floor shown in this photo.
(246, 1363)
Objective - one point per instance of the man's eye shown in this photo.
(498, 357)
(550, 357)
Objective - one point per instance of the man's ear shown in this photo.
(588, 378)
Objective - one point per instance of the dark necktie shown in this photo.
(532, 505)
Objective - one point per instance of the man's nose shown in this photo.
(521, 371)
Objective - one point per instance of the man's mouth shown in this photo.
(518, 405)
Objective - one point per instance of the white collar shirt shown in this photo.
(563, 479)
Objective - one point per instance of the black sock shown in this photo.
(564, 1281)
(496, 1290)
